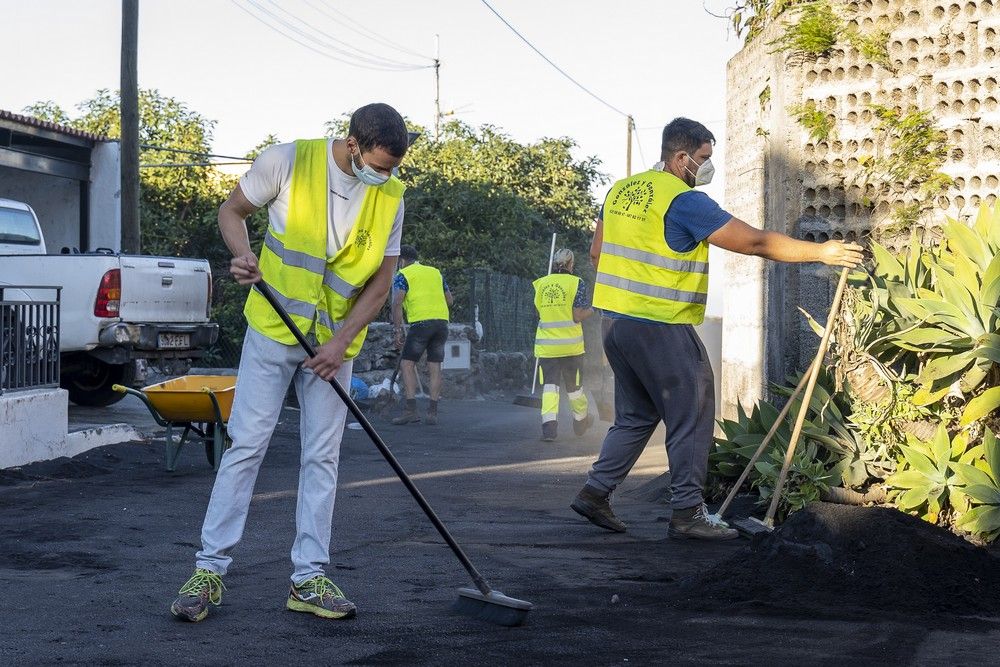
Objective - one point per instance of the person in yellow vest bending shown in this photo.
(335, 214)
(561, 302)
(423, 294)
(651, 252)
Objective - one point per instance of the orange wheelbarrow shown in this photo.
(200, 404)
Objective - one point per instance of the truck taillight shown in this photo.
(208, 304)
(109, 294)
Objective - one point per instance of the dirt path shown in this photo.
(93, 550)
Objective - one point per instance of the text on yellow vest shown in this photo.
(638, 274)
(318, 292)
(557, 335)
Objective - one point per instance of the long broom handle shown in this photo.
(807, 398)
(383, 448)
(534, 373)
(767, 440)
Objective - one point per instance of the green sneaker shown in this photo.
(203, 587)
(321, 597)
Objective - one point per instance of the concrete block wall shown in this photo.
(944, 59)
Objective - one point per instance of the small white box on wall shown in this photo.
(456, 355)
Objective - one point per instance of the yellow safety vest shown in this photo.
(557, 335)
(638, 274)
(424, 298)
(318, 292)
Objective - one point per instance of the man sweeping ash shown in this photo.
(335, 214)
(422, 293)
(650, 249)
(561, 302)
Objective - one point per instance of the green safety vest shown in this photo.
(424, 298)
(638, 274)
(557, 335)
(318, 292)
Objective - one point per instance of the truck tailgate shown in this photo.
(164, 289)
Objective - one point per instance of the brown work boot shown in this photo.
(432, 418)
(695, 523)
(202, 588)
(594, 506)
(408, 417)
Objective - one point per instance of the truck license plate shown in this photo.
(173, 340)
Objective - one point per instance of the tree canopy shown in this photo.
(476, 198)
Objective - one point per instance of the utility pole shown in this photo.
(437, 87)
(628, 150)
(129, 101)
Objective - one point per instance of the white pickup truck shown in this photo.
(115, 309)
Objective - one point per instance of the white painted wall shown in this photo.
(56, 202)
(710, 332)
(33, 427)
(105, 196)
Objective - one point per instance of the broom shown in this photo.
(530, 400)
(481, 602)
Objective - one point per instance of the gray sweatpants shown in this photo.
(266, 369)
(662, 373)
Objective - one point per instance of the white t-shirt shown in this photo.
(269, 182)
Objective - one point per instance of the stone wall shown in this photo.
(489, 372)
(943, 59)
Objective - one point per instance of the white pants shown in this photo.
(266, 369)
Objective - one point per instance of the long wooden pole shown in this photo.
(807, 397)
(129, 101)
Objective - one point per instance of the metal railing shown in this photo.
(29, 337)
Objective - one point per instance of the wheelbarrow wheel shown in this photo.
(210, 444)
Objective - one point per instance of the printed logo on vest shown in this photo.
(553, 295)
(637, 194)
(363, 239)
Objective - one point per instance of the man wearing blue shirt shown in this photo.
(650, 249)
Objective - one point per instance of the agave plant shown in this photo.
(981, 485)
(945, 305)
(925, 482)
(808, 478)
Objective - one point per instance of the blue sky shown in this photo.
(655, 59)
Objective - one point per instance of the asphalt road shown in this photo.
(93, 550)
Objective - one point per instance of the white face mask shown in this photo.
(704, 174)
(366, 174)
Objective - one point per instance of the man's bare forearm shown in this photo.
(234, 231)
(782, 248)
(368, 304)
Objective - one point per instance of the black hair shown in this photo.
(684, 134)
(408, 252)
(379, 125)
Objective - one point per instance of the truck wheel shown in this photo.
(89, 384)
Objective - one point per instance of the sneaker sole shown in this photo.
(184, 616)
(594, 519)
(305, 607)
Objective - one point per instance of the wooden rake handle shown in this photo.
(767, 439)
(807, 397)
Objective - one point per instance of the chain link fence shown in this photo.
(505, 305)
(506, 310)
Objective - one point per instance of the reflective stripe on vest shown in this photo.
(317, 291)
(424, 298)
(557, 334)
(638, 273)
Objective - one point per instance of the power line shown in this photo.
(351, 50)
(362, 30)
(635, 135)
(311, 47)
(191, 164)
(164, 149)
(546, 59)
